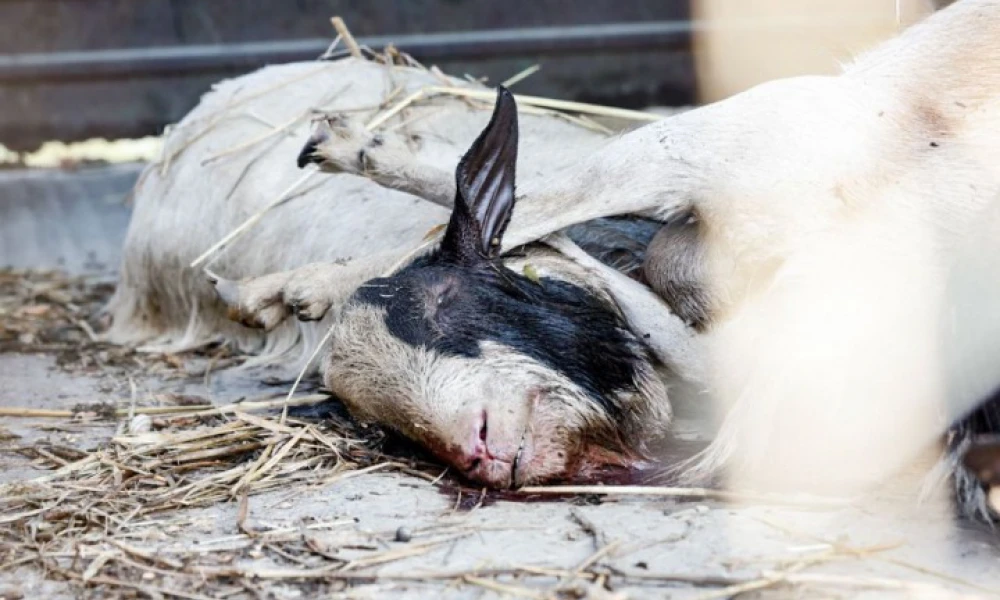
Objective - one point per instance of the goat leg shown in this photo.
(616, 179)
(340, 144)
(673, 342)
(308, 292)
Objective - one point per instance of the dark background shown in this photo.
(54, 86)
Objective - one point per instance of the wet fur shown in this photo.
(559, 325)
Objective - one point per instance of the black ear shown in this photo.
(484, 198)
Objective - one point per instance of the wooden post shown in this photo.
(759, 40)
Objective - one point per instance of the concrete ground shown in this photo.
(387, 534)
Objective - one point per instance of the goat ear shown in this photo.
(484, 197)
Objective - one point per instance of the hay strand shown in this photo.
(521, 76)
(345, 34)
(563, 105)
(252, 220)
(683, 492)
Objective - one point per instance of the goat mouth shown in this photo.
(517, 459)
(534, 399)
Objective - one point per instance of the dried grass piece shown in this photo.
(681, 492)
(246, 225)
(344, 33)
(521, 76)
(505, 588)
(562, 105)
(149, 590)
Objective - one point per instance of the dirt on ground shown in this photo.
(130, 474)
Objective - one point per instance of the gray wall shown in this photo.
(82, 105)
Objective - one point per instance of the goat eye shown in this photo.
(446, 296)
(442, 297)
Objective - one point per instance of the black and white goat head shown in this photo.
(512, 367)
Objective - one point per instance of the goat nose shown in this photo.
(474, 451)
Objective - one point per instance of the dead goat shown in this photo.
(600, 402)
(514, 368)
(840, 271)
(512, 376)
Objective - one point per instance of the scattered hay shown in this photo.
(55, 313)
(188, 460)
(95, 505)
(45, 311)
